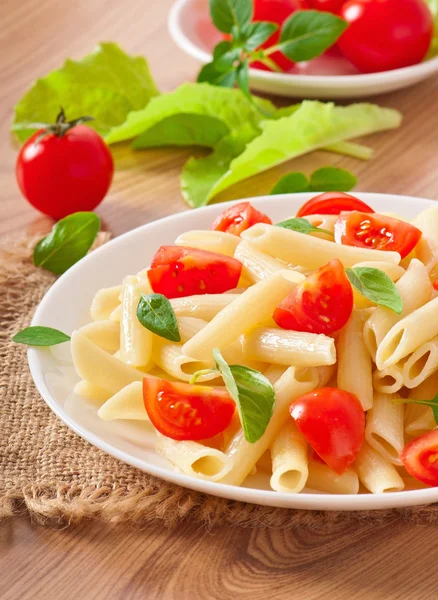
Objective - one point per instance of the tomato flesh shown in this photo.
(63, 175)
(177, 271)
(321, 304)
(333, 6)
(420, 458)
(239, 217)
(385, 34)
(182, 411)
(332, 203)
(333, 423)
(377, 232)
(435, 285)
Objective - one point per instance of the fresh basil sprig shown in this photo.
(68, 242)
(40, 336)
(377, 286)
(302, 226)
(305, 35)
(325, 179)
(433, 404)
(253, 394)
(155, 312)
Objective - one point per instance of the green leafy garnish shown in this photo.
(433, 404)
(302, 226)
(228, 13)
(433, 6)
(108, 83)
(68, 242)
(155, 312)
(253, 394)
(325, 179)
(377, 286)
(40, 336)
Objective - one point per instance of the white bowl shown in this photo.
(66, 307)
(188, 18)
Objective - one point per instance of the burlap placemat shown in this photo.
(49, 471)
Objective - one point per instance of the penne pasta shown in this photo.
(419, 419)
(126, 404)
(202, 307)
(390, 380)
(213, 241)
(421, 364)
(256, 264)
(289, 460)
(323, 479)
(104, 302)
(308, 251)
(376, 473)
(384, 429)
(91, 392)
(135, 340)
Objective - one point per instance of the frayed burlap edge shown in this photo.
(57, 503)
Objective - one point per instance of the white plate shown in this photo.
(66, 307)
(189, 21)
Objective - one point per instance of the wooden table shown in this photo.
(94, 561)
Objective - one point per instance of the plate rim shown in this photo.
(317, 501)
(187, 45)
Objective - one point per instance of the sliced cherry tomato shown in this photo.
(333, 423)
(182, 411)
(420, 457)
(64, 168)
(376, 231)
(435, 285)
(385, 34)
(177, 271)
(239, 217)
(332, 203)
(321, 304)
(333, 6)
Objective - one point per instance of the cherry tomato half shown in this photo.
(177, 271)
(435, 285)
(420, 457)
(239, 217)
(60, 175)
(321, 304)
(182, 411)
(385, 34)
(333, 423)
(376, 231)
(332, 203)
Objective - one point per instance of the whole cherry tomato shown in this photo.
(420, 458)
(322, 303)
(239, 217)
(332, 203)
(64, 168)
(385, 34)
(182, 411)
(178, 271)
(333, 423)
(377, 232)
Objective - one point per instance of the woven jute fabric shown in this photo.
(49, 471)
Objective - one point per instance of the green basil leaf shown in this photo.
(253, 394)
(221, 49)
(242, 79)
(68, 242)
(258, 32)
(433, 404)
(291, 183)
(226, 13)
(375, 285)
(40, 336)
(302, 226)
(227, 60)
(329, 179)
(307, 34)
(211, 74)
(155, 312)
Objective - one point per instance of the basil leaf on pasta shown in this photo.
(377, 286)
(253, 394)
(302, 226)
(433, 404)
(155, 313)
(40, 336)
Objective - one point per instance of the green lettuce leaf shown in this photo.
(199, 175)
(228, 105)
(107, 84)
(314, 125)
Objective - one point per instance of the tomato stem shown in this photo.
(61, 125)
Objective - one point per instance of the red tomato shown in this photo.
(276, 11)
(420, 457)
(333, 6)
(177, 271)
(239, 217)
(385, 34)
(321, 304)
(435, 285)
(332, 203)
(333, 423)
(62, 174)
(376, 231)
(182, 411)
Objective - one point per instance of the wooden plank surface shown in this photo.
(370, 562)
